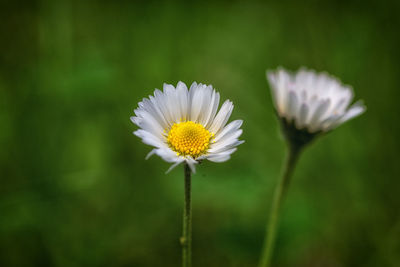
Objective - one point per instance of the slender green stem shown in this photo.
(186, 239)
(280, 190)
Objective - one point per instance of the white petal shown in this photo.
(292, 105)
(191, 163)
(182, 94)
(197, 103)
(339, 106)
(226, 147)
(222, 117)
(154, 111)
(151, 153)
(136, 120)
(174, 165)
(161, 102)
(229, 141)
(214, 108)
(167, 154)
(272, 79)
(329, 122)
(283, 79)
(158, 110)
(220, 157)
(231, 127)
(302, 117)
(149, 124)
(149, 138)
(206, 105)
(322, 107)
(172, 102)
(192, 90)
(356, 110)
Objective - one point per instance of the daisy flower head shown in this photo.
(185, 125)
(309, 103)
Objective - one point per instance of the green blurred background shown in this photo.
(75, 189)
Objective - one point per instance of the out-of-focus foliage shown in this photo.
(75, 189)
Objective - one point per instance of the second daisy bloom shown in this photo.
(185, 125)
(316, 102)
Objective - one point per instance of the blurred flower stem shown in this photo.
(293, 153)
(186, 239)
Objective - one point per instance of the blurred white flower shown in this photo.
(315, 102)
(184, 126)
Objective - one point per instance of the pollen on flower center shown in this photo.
(189, 138)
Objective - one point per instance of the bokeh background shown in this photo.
(75, 189)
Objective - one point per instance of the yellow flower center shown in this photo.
(189, 138)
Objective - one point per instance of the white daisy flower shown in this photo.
(315, 102)
(184, 126)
